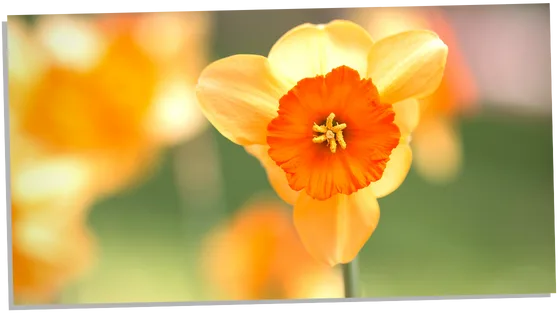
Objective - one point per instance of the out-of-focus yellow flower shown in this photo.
(436, 143)
(91, 103)
(105, 93)
(177, 42)
(48, 253)
(51, 245)
(265, 258)
(328, 113)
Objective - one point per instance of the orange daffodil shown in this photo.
(328, 113)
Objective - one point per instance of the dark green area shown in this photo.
(489, 232)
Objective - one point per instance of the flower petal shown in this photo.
(276, 176)
(239, 96)
(336, 229)
(395, 172)
(309, 50)
(407, 65)
(407, 115)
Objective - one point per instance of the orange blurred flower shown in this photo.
(265, 258)
(436, 143)
(105, 93)
(329, 114)
(51, 246)
(48, 253)
(90, 106)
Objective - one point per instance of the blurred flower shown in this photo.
(436, 144)
(48, 252)
(105, 93)
(328, 113)
(265, 258)
(91, 101)
(51, 245)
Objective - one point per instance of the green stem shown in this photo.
(351, 274)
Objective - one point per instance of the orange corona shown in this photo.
(364, 129)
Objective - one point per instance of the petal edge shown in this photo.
(276, 176)
(407, 65)
(239, 96)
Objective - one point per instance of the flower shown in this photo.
(436, 144)
(51, 246)
(265, 258)
(105, 93)
(328, 113)
(48, 253)
(177, 43)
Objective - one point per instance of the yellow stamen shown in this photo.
(330, 133)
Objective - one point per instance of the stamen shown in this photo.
(330, 133)
(330, 119)
(321, 129)
(332, 145)
(320, 139)
(340, 140)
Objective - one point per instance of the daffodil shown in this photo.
(436, 144)
(328, 113)
(107, 88)
(48, 253)
(265, 258)
(51, 244)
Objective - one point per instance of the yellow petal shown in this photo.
(239, 96)
(437, 151)
(407, 115)
(276, 176)
(335, 230)
(407, 65)
(309, 50)
(395, 172)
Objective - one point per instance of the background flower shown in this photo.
(257, 255)
(51, 243)
(106, 94)
(93, 101)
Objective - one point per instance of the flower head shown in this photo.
(265, 258)
(107, 88)
(48, 253)
(328, 113)
(51, 246)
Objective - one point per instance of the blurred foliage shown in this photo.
(28, 15)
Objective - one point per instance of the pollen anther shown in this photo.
(330, 133)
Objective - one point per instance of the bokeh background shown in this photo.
(486, 229)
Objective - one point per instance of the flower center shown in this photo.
(360, 141)
(330, 133)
